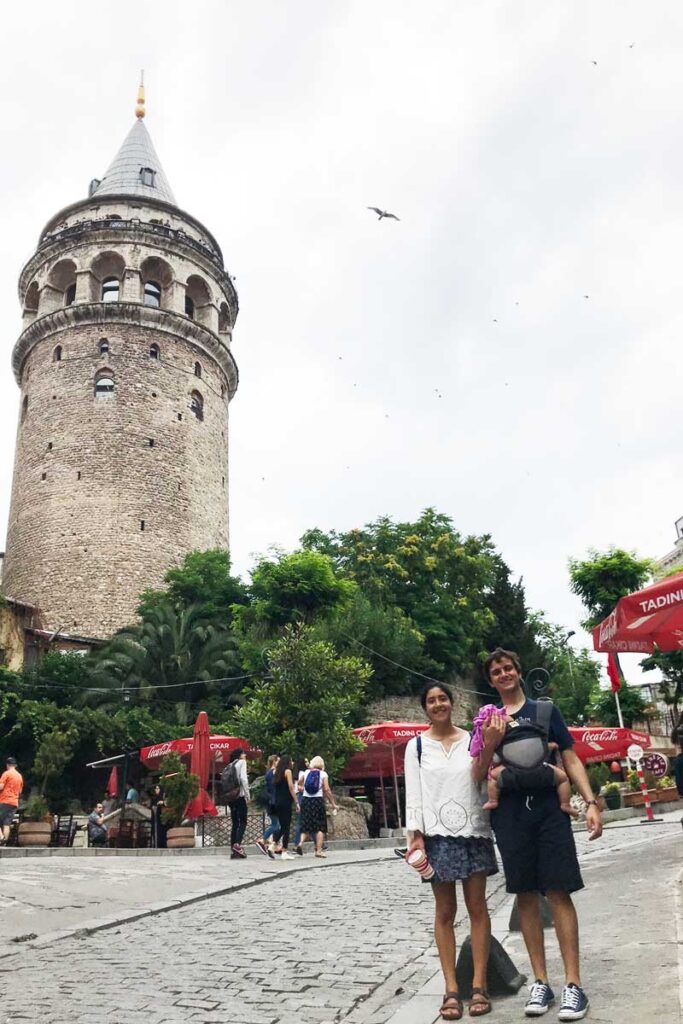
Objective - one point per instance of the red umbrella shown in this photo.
(219, 747)
(600, 743)
(199, 766)
(113, 784)
(385, 745)
(650, 618)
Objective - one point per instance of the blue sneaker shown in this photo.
(541, 998)
(574, 1003)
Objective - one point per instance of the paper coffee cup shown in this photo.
(418, 860)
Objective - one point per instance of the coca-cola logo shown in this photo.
(160, 749)
(600, 736)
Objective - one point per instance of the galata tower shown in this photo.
(126, 373)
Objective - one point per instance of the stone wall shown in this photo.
(408, 708)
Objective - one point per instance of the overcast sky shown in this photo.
(508, 352)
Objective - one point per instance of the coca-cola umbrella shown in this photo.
(647, 620)
(385, 744)
(199, 765)
(219, 748)
(600, 743)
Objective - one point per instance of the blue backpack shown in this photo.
(312, 782)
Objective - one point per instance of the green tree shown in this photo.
(171, 659)
(53, 755)
(603, 706)
(604, 577)
(441, 580)
(307, 706)
(513, 628)
(294, 588)
(202, 582)
(574, 675)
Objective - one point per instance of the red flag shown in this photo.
(613, 673)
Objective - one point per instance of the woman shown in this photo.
(238, 807)
(156, 803)
(285, 795)
(265, 843)
(316, 789)
(445, 820)
(299, 795)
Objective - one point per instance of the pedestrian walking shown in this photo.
(299, 796)
(11, 786)
(235, 787)
(265, 843)
(536, 843)
(316, 789)
(285, 799)
(447, 823)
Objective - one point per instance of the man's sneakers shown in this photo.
(574, 1003)
(541, 998)
(237, 852)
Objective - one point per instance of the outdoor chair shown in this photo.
(64, 831)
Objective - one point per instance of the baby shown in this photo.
(531, 772)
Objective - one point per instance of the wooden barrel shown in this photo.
(34, 833)
(180, 838)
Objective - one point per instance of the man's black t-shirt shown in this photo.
(558, 731)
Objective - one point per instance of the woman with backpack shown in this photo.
(235, 786)
(265, 843)
(316, 789)
(285, 795)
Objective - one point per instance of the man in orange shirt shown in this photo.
(11, 785)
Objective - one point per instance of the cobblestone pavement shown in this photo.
(337, 942)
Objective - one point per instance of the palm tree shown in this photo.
(173, 656)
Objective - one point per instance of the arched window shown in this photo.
(104, 385)
(152, 295)
(189, 307)
(197, 369)
(223, 318)
(24, 408)
(70, 295)
(57, 354)
(104, 346)
(154, 352)
(197, 405)
(110, 289)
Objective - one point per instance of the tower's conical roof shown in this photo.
(124, 175)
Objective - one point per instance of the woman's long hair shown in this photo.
(283, 764)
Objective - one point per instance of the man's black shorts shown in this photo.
(536, 843)
(7, 812)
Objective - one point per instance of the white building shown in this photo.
(674, 558)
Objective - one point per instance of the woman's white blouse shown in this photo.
(442, 798)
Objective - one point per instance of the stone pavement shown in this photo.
(347, 939)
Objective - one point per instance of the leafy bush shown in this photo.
(36, 809)
(612, 794)
(598, 775)
(664, 782)
(179, 787)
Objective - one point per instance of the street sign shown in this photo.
(634, 752)
(655, 763)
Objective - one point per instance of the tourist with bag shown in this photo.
(265, 843)
(447, 824)
(235, 793)
(285, 796)
(316, 789)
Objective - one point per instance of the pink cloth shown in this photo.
(482, 717)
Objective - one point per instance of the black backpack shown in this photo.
(230, 786)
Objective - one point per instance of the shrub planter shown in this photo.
(613, 801)
(180, 838)
(34, 833)
(656, 796)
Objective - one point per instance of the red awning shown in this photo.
(386, 743)
(650, 618)
(219, 749)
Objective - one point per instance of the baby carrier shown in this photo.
(524, 754)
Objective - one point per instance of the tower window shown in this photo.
(189, 307)
(154, 352)
(110, 289)
(180, 416)
(222, 390)
(197, 369)
(70, 295)
(57, 354)
(24, 408)
(152, 296)
(142, 524)
(78, 474)
(104, 346)
(49, 446)
(147, 176)
(197, 405)
(151, 442)
(43, 476)
(104, 386)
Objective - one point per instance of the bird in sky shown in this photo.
(631, 45)
(382, 213)
(586, 296)
(594, 62)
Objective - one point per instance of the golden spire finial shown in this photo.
(140, 106)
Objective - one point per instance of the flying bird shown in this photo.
(594, 62)
(382, 213)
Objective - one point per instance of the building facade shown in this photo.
(673, 560)
(126, 373)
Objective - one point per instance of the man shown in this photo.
(132, 796)
(97, 830)
(11, 785)
(536, 842)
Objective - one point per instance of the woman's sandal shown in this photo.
(480, 1003)
(451, 1007)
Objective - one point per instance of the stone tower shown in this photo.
(126, 373)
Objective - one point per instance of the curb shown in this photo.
(86, 928)
(16, 852)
